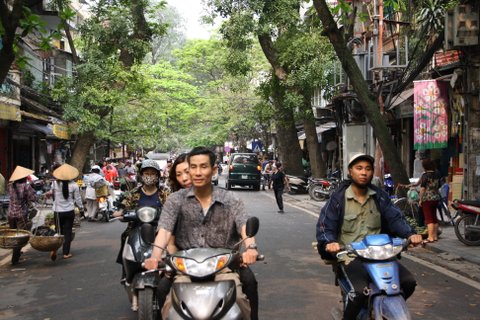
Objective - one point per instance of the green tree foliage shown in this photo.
(227, 103)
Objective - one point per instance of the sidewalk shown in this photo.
(448, 245)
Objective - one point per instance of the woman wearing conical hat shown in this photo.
(20, 194)
(66, 195)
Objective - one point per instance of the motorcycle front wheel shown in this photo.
(467, 229)
(316, 193)
(147, 305)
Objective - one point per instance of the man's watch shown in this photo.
(252, 246)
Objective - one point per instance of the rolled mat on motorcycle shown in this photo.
(205, 284)
(378, 254)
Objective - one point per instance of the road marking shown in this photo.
(451, 274)
(313, 214)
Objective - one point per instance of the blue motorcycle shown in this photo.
(379, 256)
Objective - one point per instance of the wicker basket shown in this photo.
(46, 243)
(13, 238)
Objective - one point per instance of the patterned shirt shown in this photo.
(19, 199)
(129, 200)
(220, 227)
(431, 182)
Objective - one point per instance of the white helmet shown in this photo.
(149, 163)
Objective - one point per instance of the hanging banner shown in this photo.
(430, 118)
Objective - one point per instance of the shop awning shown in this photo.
(400, 98)
(320, 129)
(38, 128)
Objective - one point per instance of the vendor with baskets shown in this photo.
(66, 195)
(21, 195)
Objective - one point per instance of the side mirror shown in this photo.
(147, 232)
(252, 226)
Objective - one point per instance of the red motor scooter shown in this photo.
(467, 225)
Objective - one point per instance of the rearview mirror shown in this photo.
(252, 226)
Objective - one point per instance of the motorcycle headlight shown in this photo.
(146, 214)
(200, 269)
(384, 252)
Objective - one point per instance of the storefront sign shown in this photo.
(430, 118)
(61, 131)
(10, 112)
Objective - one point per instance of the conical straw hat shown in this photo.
(66, 172)
(20, 173)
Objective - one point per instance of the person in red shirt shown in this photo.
(111, 174)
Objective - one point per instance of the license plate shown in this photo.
(244, 176)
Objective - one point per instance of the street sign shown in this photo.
(257, 146)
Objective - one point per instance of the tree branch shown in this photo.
(271, 55)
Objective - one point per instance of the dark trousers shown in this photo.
(17, 223)
(249, 287)
(278, 191)
(359, 278)
(65, 220)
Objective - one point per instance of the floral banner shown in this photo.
(430, 118)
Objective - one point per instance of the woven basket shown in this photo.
(46, 243)
(13, 238)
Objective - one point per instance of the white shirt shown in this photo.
(93, 181)
(63, 205)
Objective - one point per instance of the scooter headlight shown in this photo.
(384, 252)
(200, 269)
(146, 214)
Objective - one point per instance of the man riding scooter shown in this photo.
(356, 209)
(204, 216)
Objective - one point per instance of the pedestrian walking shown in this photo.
(66, 195)
(280, 181)
(21, 194)
(94, 181)
(429, 198)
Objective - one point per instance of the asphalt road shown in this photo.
(293, 281)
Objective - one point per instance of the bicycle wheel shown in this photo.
(444, 213)
(467, 229)
(409, 209)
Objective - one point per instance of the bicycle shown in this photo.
(411, 210)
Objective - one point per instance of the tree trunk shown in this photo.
(360, 87)
(6, 59)
(317, 164)
(288, 145)
(81, 149)
(9, 20)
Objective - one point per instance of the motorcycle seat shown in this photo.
(474, 203)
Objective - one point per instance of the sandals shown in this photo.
(428, 241)
(67, 256)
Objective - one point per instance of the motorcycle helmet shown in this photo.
(149, 163)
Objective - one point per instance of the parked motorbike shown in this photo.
(201, 293)
(467, 225)
(298, 185)
(321, 189)
(141, 286)
(378, 254)
(388, 184)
